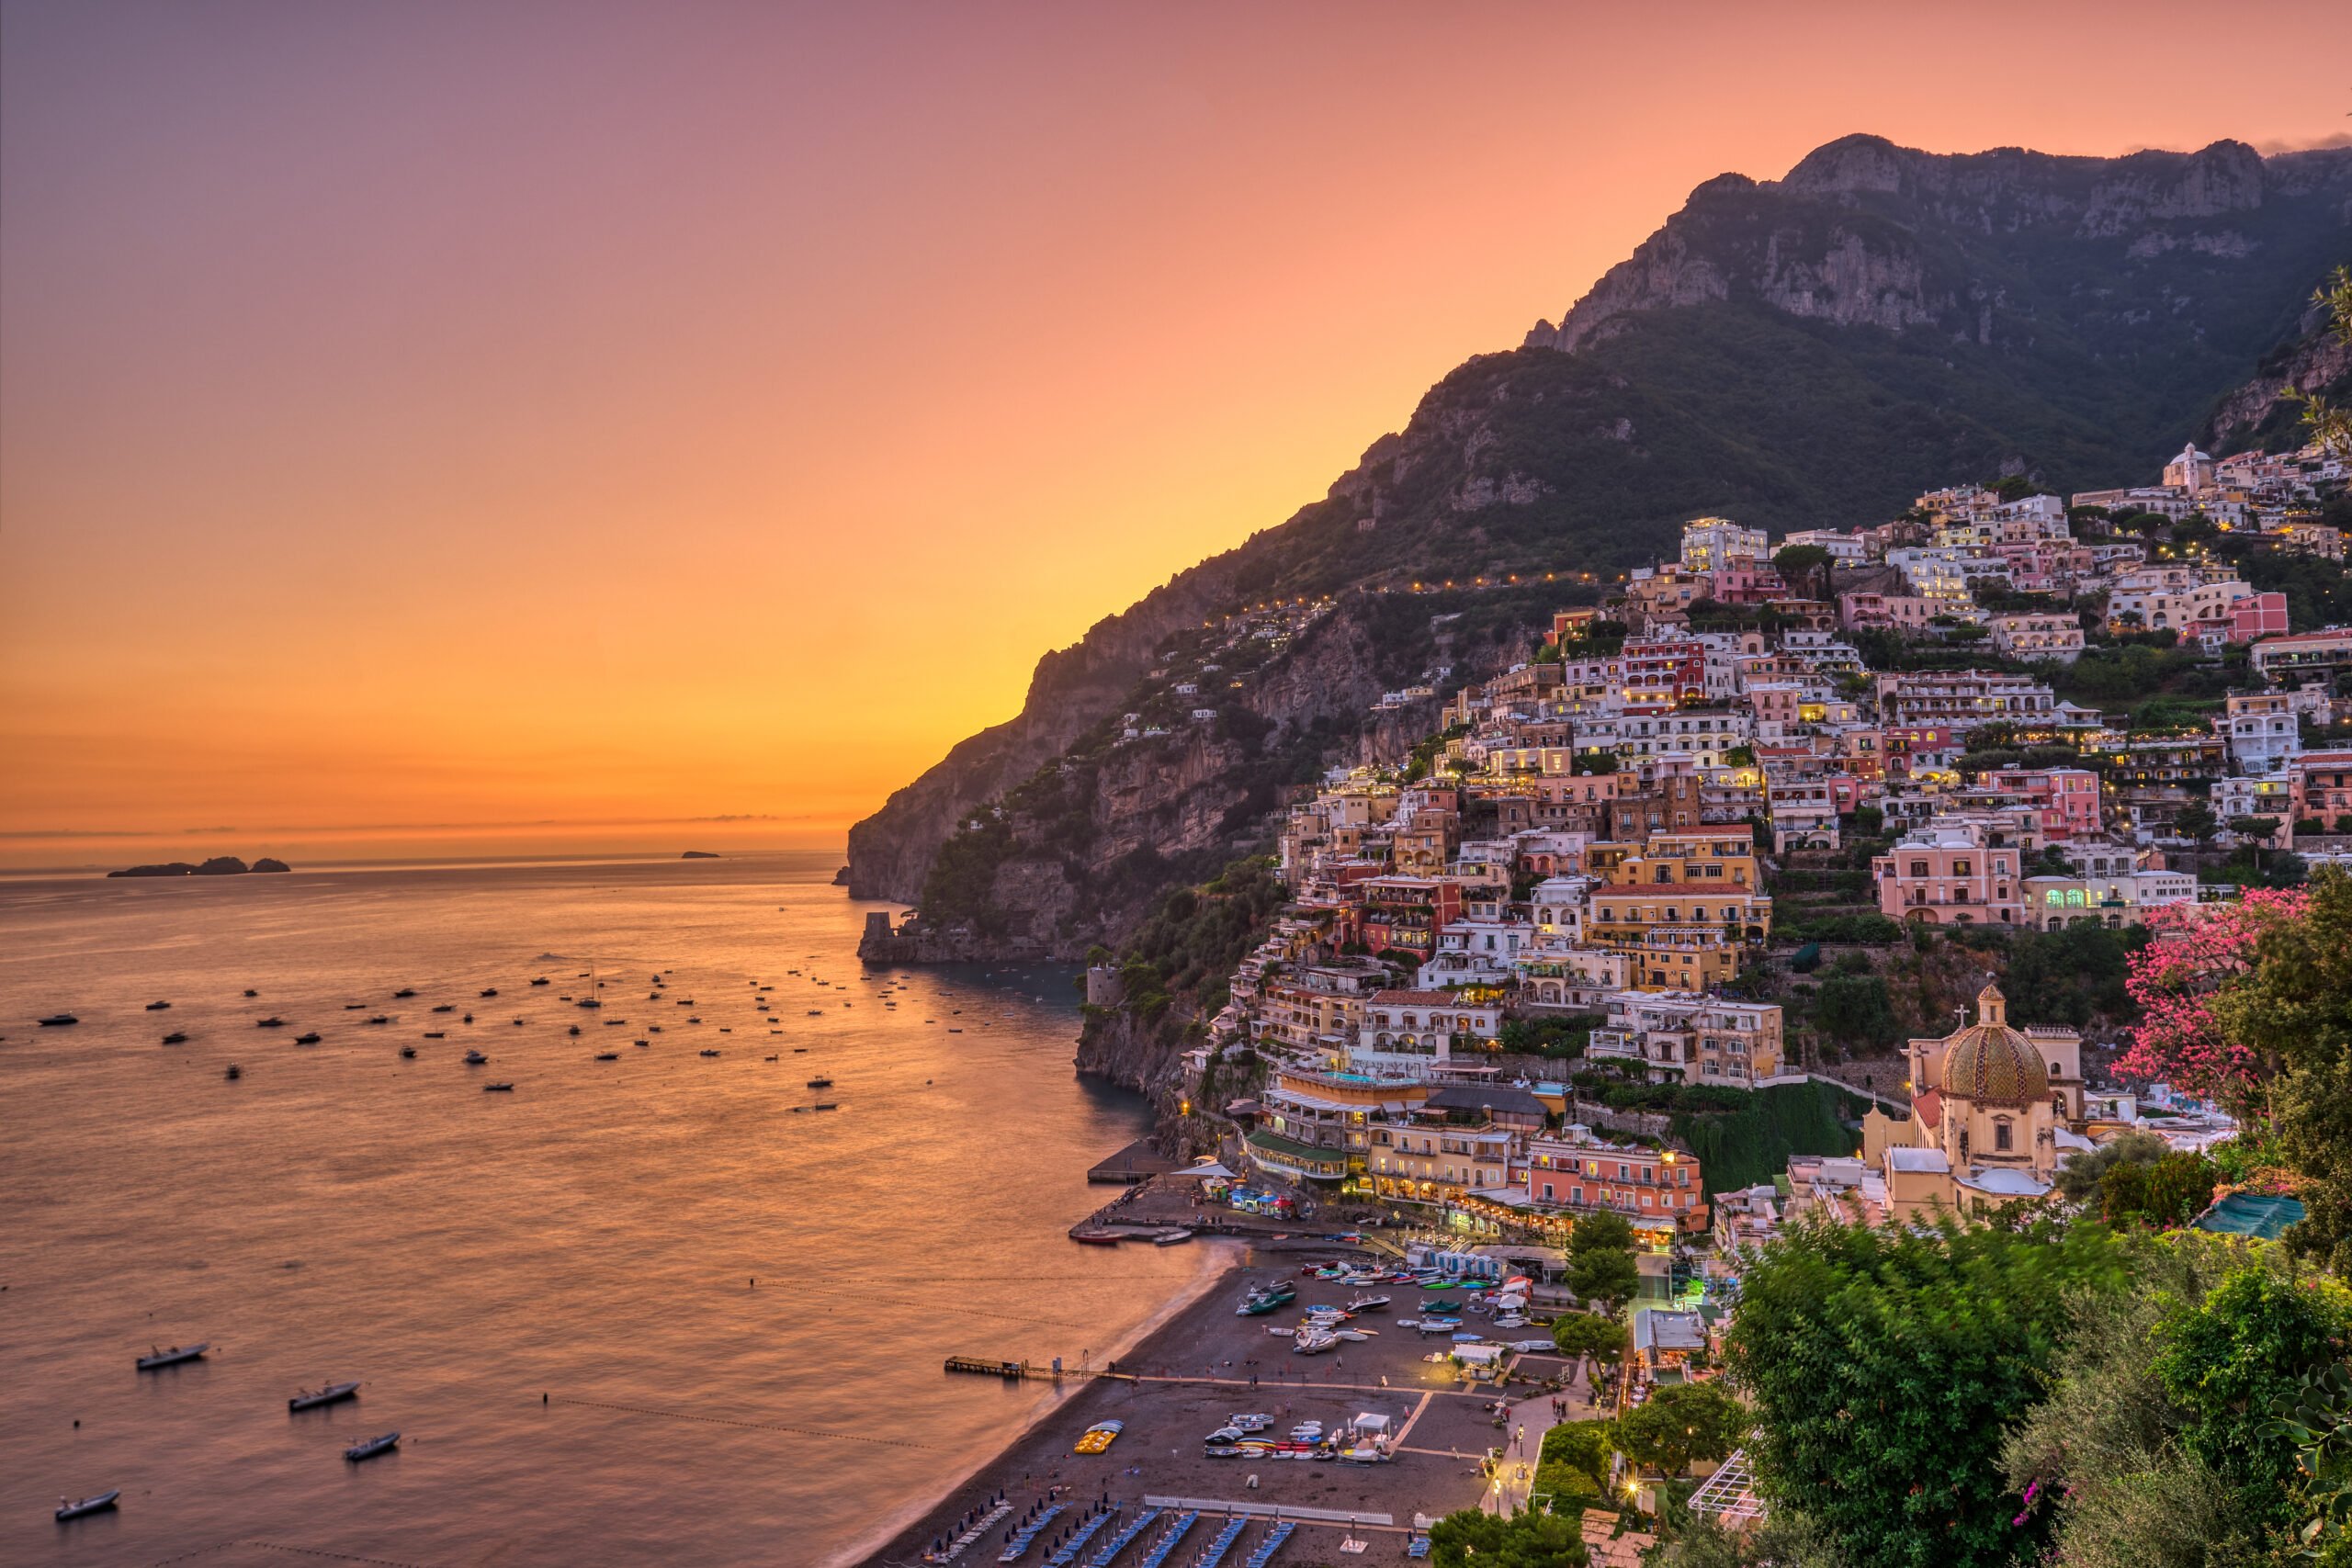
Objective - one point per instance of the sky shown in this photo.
(439, 428)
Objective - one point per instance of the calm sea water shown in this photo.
(340, 1212)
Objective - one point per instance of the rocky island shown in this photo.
(219, 866)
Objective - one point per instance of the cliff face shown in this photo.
(890, 852)
(1809, 351)
(1075, 855)
(1866, 233)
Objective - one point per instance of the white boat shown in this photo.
(67, 1509)
(373, 1446)
(311, 1398)
(1368, 1303)
(172, 1357)
(1512, 1321)
(1250, 1423)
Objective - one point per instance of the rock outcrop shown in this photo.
(219, 866)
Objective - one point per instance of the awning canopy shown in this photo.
(1211, 1170)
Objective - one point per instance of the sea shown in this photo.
(652, 1310)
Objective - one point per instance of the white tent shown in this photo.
(1204, 1171)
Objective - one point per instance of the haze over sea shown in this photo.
(340, 1212)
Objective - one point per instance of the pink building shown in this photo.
(1902, 612)
(2258, 614)
(2065, 799)
(1952, 874)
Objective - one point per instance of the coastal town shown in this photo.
(1522, 979)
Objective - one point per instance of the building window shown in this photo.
(2001, 1134)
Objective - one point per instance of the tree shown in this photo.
(2078, 1178)
(2115, 1457)
(1524, 1541)
(1885, 1365)
(2330, 423)
(1604, 1276)
(1808, 564)
(1681, 1426)
(2196, 820)
(1586, 1334)
(2163, 1193)
(1575, 1462)
(1853, 1010)
(1602, 1229)
(2199, 951)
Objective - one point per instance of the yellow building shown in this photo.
(1987, 1126)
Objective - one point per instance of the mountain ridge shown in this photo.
(1803, 351)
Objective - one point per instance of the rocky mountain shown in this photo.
(1805, 352)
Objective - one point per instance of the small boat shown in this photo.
(175, 1038)
(1098, 1438)
(353, 1006)
(475, 1058)
(250, 992)
(172, 1357)
(608, 1056)
(311, 1398)
(468, 1018)
(821, 1083)
(825, 1105)
(157, 1006)
(641, 1042)
(98, 1505)
(518, 1023)
(767, 1058)
(404, 993)
(59, 1020)
(490, 991)
(497, 1088)
(258, 1023)
(436, 1034)
(234, 1072)
(408, 1053)
(1172, 1238)
(380, 1018)
(446, 1007)
(540, 981)
(373, 1446)
(707, 1052)
(306, 1040)
(575, 1028)
(1368, 1303)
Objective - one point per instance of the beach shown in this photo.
(1191, 1373)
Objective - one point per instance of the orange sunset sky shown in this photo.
(479, 428)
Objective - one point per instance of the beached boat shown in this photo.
(172, 1357)
(373, 1446)
(98, 1505)
(175, 1038)
(1368, 1303)
(312, 1398)
(1098, 1438)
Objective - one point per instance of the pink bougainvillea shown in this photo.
(2198, 950)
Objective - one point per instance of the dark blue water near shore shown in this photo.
(342, 1212)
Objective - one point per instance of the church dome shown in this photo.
(1993, 1063)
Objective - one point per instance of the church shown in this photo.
(1994, 1111)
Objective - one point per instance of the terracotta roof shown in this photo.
(1929, 1107)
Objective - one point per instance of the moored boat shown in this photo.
(312, 1398)
(172, 1357)
(59, 1020)
(373, 1446)
(98, 1505)
(175, 1038)
(311, 1039)
(497, 1088)
(475, 1058)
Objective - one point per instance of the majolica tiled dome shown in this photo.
(1992, 1063)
